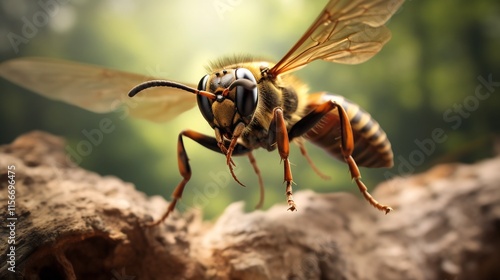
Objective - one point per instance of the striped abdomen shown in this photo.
(371, 146)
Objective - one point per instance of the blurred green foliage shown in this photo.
(425, 78)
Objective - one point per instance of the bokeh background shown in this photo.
(438, 75)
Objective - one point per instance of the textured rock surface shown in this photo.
(75, 224)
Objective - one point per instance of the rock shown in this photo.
(75, 224)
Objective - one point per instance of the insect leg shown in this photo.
(278, 132)
(303, 151)
(229, 152)
(261, 182)
(347, 144)
(233, 149)
(184, 167)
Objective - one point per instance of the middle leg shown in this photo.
(278, 135)
(346, 146)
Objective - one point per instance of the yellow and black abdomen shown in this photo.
(371, 145)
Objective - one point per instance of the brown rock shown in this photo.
(75, 224)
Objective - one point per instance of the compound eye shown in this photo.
(202, 85)
(246, 99)
(205, 104)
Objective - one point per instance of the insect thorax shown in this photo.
(287, 93)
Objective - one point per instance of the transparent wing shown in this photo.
(346, 31)
(95, 88)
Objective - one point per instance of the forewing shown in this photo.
(346, 31)
(95, 88)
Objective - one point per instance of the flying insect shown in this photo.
(248, 102)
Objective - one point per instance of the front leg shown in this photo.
(229, 151)
(184, 170)
(184, 167)
(278, 134)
